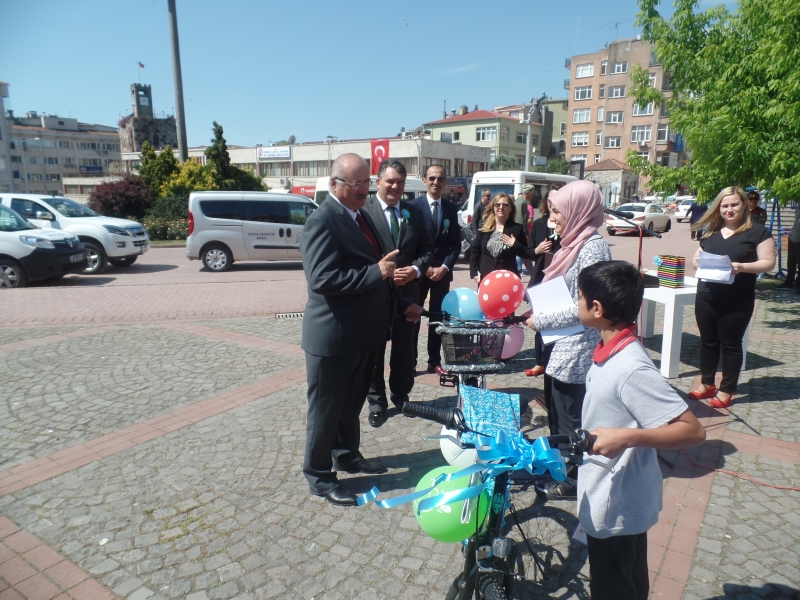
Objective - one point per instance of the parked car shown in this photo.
(682, 205)
(108, 239)
(28, 253)
(225, 227)
(651, 216)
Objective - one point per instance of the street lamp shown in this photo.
(24, 168)
(328, 140)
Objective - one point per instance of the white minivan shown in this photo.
(225, 227)
(108, 239)
(510, 183)
(414, 187)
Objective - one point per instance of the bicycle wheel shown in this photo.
(492, 590)
(452, 593)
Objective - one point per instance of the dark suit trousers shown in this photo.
(337, 388)
(438, 290)
(401, 368)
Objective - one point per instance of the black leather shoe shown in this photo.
(377, 418)
(341, 496)
(369, 467)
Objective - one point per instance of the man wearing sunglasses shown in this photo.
(352, 301)
(441, 218)
(480, 207)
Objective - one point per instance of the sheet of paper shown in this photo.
(714, 267)
(553, 296)
(580, 536)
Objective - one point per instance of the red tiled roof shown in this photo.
(475, 115)
(608, 164)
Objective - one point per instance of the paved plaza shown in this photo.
(152, 425)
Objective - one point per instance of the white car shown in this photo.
(681, 207)
(28, 253)
(108, 239)
(650, 216)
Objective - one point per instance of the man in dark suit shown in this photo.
(401, 227)
(352, 299)
(442, 220)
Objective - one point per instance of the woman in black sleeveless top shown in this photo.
(724, 310)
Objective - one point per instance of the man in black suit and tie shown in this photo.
(442, 220)
(401, 227)
(352, 299)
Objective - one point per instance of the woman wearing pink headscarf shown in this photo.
(576, 211)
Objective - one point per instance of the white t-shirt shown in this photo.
(626, 391)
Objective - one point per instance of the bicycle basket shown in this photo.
(472, 349)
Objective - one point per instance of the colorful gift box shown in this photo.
(671, 270)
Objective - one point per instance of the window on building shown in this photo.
(639, 111)
(562, 147)
(520, 161)
(600, 112)
(48, 143)
(474, 167)
(663, 111)
(620, 67)
(411, 164)
(275, 169)
(30, 143)
(514, 114)
(522, 137)
(444, 163)
(68, 162)
(585, 70)
(50, 160)
(663, 132)
(583, 92)
(67, 145)
(72, 190)
(485, 134)
(33, 160)
(596, 158)
(311, 168)
(3, 165)
(640, 133)
(654, 60)
(581, 115)
(52, 177)
(613, 142)
(580, 138)
(91, 162)
(87, 190)
(666, 82)
(644, 154)
(598, 138)
(616, 91)
(563, 129)
(16, 159)
(652, 77)
(604, 67)
(602, 92)
(456, 136)
(615, 116)
(534, 139)
(578, 157)
(504, 134)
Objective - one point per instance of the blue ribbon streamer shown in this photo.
(503, 453)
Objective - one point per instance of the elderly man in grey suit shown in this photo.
(401, 227)
(352, 299)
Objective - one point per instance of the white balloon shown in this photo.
(456, 455)
(486, 297)
(506, 297)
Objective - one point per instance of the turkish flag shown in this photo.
(380, 152)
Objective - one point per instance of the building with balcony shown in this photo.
(604, 121)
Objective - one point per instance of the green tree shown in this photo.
(191, 177)
(735, 97)
(226, 175)
(504, 163)
(157, 169)
(558, 166)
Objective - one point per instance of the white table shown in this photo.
(673, 299)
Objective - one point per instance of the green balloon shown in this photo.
(443, 523)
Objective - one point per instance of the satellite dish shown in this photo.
(417, 131)
(292, 139)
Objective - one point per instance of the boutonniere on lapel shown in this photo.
(405, 215)
(446, 225)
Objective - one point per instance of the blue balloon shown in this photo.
(463, 303)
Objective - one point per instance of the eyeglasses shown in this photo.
(439, 179)
(503, 206)
(354, 184)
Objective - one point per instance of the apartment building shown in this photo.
(5, 159)
(604, 120)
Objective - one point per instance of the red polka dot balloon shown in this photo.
(500, 294)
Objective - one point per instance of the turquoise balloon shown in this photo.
(444, 523)
(463, 303)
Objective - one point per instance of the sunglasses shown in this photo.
(439, 179)
(502, 206)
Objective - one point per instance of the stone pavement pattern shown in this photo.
(215, 506)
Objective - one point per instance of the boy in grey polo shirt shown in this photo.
(632, 411)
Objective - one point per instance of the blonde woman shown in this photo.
(724, 310)
(499, 240)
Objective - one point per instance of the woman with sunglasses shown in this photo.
(723, 310)
(576, 210)
(499, 240)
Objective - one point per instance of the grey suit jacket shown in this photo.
(414, 241)
(350, 307)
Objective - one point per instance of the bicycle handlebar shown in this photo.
(577, 442)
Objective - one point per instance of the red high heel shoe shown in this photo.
(535, 371)
(720, 403)
(709, 393)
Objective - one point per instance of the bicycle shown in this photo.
(490, 558)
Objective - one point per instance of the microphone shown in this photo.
(616, 213)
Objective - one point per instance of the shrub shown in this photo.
(126, 198)
(170, 208)
(163, 229)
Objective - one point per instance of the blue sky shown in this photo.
(266, 70)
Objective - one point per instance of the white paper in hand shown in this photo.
(714, 267)
(553, 296)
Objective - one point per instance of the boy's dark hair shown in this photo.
(617, 285)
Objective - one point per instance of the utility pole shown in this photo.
(180, 119)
